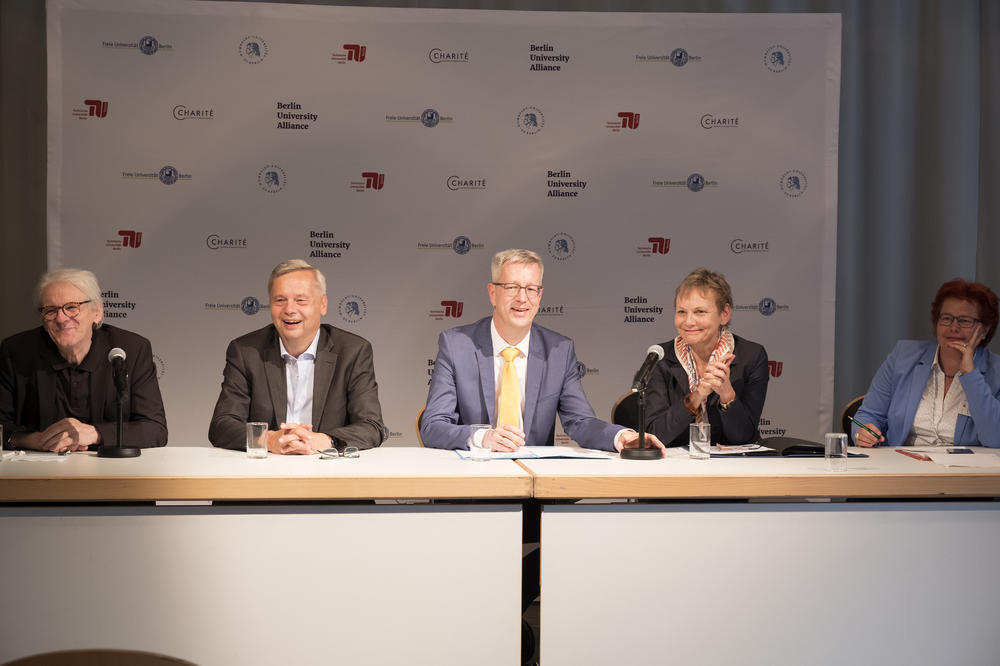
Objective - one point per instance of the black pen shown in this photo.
(877, 436)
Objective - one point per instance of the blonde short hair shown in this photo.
(514, 256)
(292, 265)
(702, 278)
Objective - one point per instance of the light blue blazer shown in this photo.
(892, 399)
(462, 390)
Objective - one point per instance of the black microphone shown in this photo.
(118, 370)
(653, 356)
(120, 374)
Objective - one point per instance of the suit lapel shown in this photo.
(537, 353)
(274, 371)
(326, 362)
(483, 341)
(921, 373)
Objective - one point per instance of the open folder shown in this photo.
(788, 447)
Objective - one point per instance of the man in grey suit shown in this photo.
(467, 379)
(313, 384)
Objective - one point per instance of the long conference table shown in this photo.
(208, 556)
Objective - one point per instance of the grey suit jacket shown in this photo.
(462, 390)
(345, 394)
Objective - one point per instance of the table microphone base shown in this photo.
(648, 453)
(118, 452)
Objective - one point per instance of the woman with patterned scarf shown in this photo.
(707, 374)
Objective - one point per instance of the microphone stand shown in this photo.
(119, 451)
(643, 452)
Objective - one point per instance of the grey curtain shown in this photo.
(919, 201)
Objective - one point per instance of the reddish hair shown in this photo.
(978, 294)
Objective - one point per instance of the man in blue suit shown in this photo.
(466, 383)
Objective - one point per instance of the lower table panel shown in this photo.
(825, 583)
(272, 584)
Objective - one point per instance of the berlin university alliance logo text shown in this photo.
(561, 184)
(290, 116)
(543, 58)
(322, 245)
(638, 310)
(116, 307)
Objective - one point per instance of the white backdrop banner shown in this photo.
(194, 145)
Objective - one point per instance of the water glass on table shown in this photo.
(256, 439)
(482, 450)
(835, 451)
(700, 440)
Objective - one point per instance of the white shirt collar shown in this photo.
(499, 344)
(308, 354)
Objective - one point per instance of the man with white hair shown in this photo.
(56, 388)
(313, 384)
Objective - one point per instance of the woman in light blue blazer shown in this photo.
(944, 391)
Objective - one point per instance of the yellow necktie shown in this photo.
(509, 410)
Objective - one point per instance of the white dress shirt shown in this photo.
(299, 373)
(937, 412)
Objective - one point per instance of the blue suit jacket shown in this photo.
(892, 399)
(462, 390)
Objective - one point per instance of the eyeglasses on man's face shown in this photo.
(963, 322)
(71, 309)
(512, 290)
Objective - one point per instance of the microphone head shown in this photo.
(656, 349)
(117, 352)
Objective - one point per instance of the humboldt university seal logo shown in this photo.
(271, 178)
(530, 120)
(793, 183)
(168, 175)
(562, 246)
(148, 45)
(777, 58)
(253, 49)
(352, 309)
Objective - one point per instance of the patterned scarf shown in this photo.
(683, 351)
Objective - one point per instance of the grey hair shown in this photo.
(83, 280)
(292, 265)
